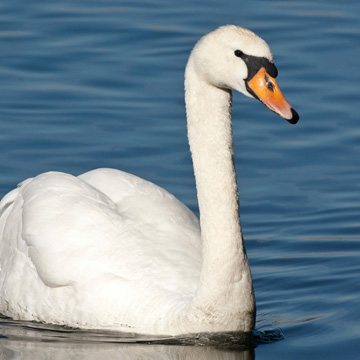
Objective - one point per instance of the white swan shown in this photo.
(108, 250)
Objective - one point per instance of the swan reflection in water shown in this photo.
(60, 351)
(29, 340)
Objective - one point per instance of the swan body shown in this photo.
(108, 250)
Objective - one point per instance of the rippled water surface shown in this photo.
(100, 84)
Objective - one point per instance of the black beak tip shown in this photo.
(295, 117)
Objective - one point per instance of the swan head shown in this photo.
(235, 58)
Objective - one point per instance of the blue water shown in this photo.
(100, 84)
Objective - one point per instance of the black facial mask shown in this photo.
(255, 63)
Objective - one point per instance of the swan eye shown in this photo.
(238, 53)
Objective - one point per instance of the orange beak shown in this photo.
(265, 88)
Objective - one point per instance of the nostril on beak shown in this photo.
(269, 84)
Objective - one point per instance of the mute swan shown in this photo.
(108, 250)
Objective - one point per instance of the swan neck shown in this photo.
(211, 146)
(225, 268)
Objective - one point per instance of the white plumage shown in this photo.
(109, 250)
